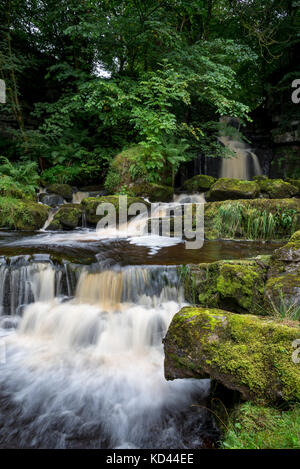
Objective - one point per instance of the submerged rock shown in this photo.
(64, 190)
(199, 183)
(249, 354)
(232, 189)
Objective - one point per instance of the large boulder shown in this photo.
(245, 353)
(68, 217)
(199, 183)
(232, 189)
(277, 188)
(90, 205)
(52, 200)
(236, 285)
(64, 190)
(23, 215)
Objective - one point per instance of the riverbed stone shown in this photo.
(232, 189)
(245, 353)
(153, 192)
(277, 188)
(64, 190)
(68, 217)
(90, 205)
(199, 183)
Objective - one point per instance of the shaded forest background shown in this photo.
(87, 79)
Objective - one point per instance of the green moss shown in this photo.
(234, 285)
(90, 205)
(277, 188)
(260, 427)
(243, 352)
(199, 183)
(24, 215)
(231, 189)
(296, 236)
(153, 192)
(68, 217)
(64, 190)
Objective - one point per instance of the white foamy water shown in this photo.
(88, 372)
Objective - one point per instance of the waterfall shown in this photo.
(88, 371)
(237, 166)
(79, 196)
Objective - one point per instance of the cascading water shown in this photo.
(87, 371)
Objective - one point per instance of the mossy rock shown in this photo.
(120, 176)
(64, 190)
(282, 292)
(153, 192)
(23, 215)
(90, 205)
(199, 183)
(295, 183)
(252, 426)
(277, 188)
(68, 217)
(232, 189)
(245, 353)
(236, 285)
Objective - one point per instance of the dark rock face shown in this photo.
(245, 353)
(52, 200)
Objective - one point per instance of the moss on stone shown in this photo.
(232, 189)
(277, 188)
(68, 217)
(199, 183)
(23, 215)
(245, 353)
(90, 205)
(64, 190)
(153, 192)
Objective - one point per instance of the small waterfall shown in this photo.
(51, 216)
(79, 196)
(238, 166)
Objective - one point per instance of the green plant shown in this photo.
(283, 309)
(18, 178)
(112, 181)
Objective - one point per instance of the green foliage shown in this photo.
(257, 427)
(284, 308)
(235, 219)
(18, 178)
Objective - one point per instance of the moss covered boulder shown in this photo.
(236, 286)
(153, 192)
(245, 353)
(232, 189)
(68, 217)
(23, 215)
(277, 188)
(90, 205)
(199, 183)
(64, 190)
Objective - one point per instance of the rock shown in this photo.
(295, 183)
(199, 183)
(64, 190)
(283, 285)
(68, 217)
(52, 200)
(153, 192)
(245, 353)
(277, 188)
(90, 205)
(23, 215)
(232, 189)
(236, 286)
